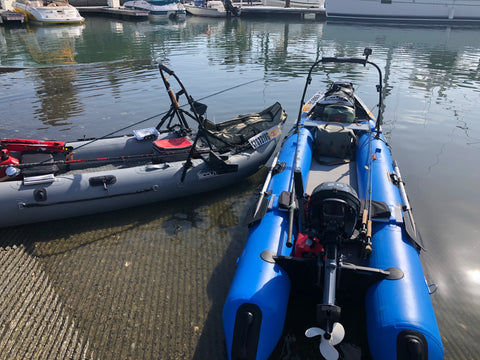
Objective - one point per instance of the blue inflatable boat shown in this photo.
(333, 228)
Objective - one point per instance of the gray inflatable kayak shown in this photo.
(48, 180)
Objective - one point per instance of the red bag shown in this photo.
(307, 247)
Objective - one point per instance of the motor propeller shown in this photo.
(328, 340)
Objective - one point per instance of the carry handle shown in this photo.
(334, 123)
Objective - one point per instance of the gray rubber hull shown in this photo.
(73, 193)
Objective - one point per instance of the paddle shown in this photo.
(410, 227)
(262, 202)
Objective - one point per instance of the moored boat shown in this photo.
(440, 11)
(47, 180)
(50, 12)
(333, 231)
(212, 8)
(159, 9)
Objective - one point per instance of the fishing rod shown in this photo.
(78, 161)
(366, 227)
(297, 181)
(14, 170)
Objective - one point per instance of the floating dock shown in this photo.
(247, 11)
(268, 11)
(11, 17)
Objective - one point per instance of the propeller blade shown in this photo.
(314, 331)
(327, 350)
(338, 333)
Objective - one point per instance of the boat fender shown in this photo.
(246, 332)
(102, 181)
(411, 345)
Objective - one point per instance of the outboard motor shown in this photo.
(333, 211)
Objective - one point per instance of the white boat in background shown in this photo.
(420, 11)
(213, 8)
(159, 9)
(50, 12)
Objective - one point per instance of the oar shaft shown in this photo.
(401, 186)
(266, 183)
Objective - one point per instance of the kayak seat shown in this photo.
(334, 140)
(38, 164)
(333, 152)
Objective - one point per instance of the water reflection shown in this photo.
(43, 45)
(57, 96)
(52, 45)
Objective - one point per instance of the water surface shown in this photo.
(150, 282)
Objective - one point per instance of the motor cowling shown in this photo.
(334, 209)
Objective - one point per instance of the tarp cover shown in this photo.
(237, 131)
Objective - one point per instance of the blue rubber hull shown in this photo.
(399, 306)
(260, 283)
(256, 306)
